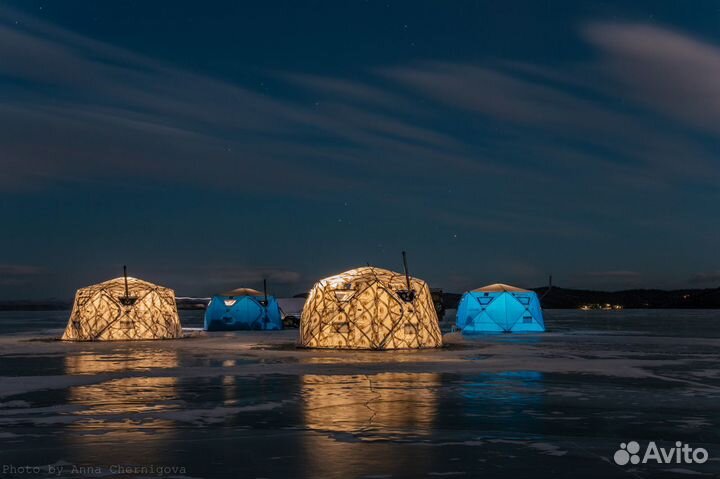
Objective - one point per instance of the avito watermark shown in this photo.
(629, 453)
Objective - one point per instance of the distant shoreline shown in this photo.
(556, 298)
(564, 298)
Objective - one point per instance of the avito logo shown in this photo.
(680, 454)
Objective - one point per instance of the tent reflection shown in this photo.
(122, 410)
(511, 401)
(386, 403)
(120, 361)
(382, 410)
(119, 398)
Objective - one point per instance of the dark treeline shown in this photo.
(557, 298)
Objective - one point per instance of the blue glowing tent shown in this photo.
(242, 308)
(500, 308)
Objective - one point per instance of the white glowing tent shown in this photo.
(123, 309)
(370, 308)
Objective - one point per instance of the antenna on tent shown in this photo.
(127, 292)
(407, 295)
(548, 289)
(127, 300)
(266, 319)
(265, 291)
(407, 275)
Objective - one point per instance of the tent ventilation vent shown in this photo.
(407, 296)
(344, 295)
(127, 300)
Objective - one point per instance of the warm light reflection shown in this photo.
(367, 357)
(229, 390)
(386, 404)
(125, 396)
(603, 307)
(126, 408)
(119, 361)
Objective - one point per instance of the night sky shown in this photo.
(211, 144)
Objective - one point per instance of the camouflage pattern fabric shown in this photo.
(103, 312)
(369, 308)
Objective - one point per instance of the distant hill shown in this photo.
(451, 300)
(35, 305)
(186, 302)
(60, 305)
(557, 298)
(565, 298)
(632, 298)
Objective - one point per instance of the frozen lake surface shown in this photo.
(249, 404)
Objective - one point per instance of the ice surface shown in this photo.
(250, 404)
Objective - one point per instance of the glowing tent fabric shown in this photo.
(241, 309)
(500, 308)
(104, 312)
(369, 308)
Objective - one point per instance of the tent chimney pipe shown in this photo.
(548, 288)
(265, 303)
(407, 275)
(127, 292)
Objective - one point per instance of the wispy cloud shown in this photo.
(256, 275)
(556, 150)
(211, 278)
(18, 274)
(81, 110)
(612, 279)
(614, 274)
(664, 70)
(706, 278)
(561, 114)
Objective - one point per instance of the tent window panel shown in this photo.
(410, 329)
(341, 327)
(527, 319)
(344, 295)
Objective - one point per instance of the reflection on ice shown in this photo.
(120, 413)
(229, 390)
(509, 388)
(120, 361)
(126, 396)
(123, 406)
(369, 408)
(513, 401)
(387, 403)
(252, 405)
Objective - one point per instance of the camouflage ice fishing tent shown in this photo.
(117, 310)
(369, 308)
(500, 308)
